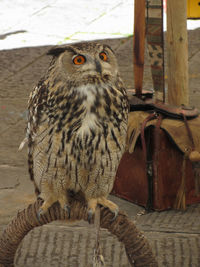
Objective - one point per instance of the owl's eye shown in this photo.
(103, 56)
(78, 60)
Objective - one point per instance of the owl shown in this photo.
(77, 124)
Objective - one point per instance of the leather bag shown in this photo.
(161, 167)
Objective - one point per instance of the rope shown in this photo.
(137, 247)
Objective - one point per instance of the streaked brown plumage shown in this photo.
(77, 126)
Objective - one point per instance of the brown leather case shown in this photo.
(164, 166)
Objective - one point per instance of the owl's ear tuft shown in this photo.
(107, 46)
(56, 50)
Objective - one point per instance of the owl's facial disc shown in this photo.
(80, 59)
(95, 63)
(98, 62)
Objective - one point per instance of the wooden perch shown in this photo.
(177, 42)
(137, 247)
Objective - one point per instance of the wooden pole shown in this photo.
(139, 44)
(177, 42)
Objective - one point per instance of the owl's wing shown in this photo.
(36, 107)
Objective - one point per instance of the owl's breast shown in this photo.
(95, 157)
(81, 139)
(96, 144)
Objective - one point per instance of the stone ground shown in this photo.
(174, 235)
(36, 22)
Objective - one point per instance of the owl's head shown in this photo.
(83, 60)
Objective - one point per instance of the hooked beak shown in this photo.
(98, 67)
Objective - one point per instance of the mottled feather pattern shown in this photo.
(76, 130)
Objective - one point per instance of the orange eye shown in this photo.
(78, 60)
(103, 56)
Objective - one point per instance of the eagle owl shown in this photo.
(77, 123)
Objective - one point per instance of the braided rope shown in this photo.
(137, 247)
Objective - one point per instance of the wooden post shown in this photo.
(155, 46)
(139, 44)
(177, 42)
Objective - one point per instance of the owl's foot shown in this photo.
(110, 205)
(92, 203)
(90, 215)
(46, 204)
(39, 213)
(64, 203)
(115, 214)
(67, 208)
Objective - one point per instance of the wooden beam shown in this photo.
(177, 52)
(155, 44)
(139, 44)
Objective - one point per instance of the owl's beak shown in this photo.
(98, 67)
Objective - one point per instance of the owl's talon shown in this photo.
(67, 209)
(39, 213)
(90, 215)
(116, 212)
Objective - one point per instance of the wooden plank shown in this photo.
(139, 44)
(177, 42)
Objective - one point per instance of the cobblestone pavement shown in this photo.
(174, 235)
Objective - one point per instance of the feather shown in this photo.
(21, 146)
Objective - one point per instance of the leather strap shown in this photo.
(144, 149)
(148, 162)
(167, 110)
(156, 155)
(188, 131)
